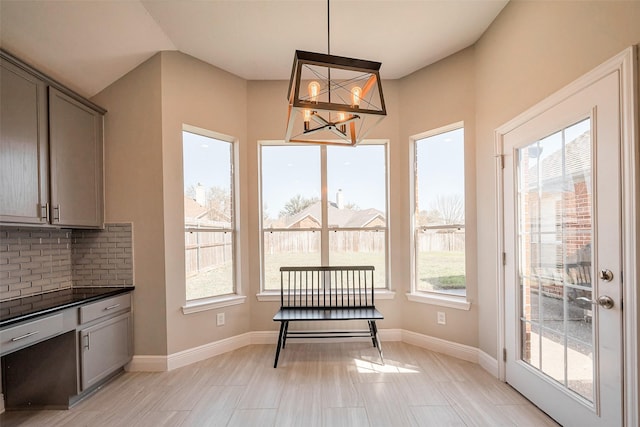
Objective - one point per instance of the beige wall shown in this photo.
(532, 49)
(431, 98)
(200, 95)
(133, 192)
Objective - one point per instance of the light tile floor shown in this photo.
(325, 384)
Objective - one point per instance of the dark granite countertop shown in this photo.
(30, 307)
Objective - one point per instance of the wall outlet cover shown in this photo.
(220, 319)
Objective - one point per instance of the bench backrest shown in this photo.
(326, 287)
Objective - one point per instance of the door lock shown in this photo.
(606, 275)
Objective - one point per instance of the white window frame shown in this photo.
(459, 302)
(225, 300)
(273, 295)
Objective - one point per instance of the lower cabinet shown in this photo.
(104, 348)
(56, 360)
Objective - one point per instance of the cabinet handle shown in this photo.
(45, 212)
(56, 209)
(111, 307)
(87, 346)
(21, 337)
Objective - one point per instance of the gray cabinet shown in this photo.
(50, 139)
(105, 338)
(23, 146)
(56, 360)
(105, 348)
(75, 141)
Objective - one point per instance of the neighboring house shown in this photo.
(198, 215)
(338, 218)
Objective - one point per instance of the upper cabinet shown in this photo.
(23, 146)
(75, 153)
(51, 152)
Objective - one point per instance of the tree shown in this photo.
(450, 209)
(297, 204)
(220, 200)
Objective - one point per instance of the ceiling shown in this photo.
(89, 44)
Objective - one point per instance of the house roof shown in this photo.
(576, 159)
(346, 218)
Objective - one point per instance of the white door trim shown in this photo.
(626, 63)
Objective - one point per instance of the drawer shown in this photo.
(105, 307)
(16, 337)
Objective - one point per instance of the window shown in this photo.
(209, 216)
(439, 212)
(344, 225)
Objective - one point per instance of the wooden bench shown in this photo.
(327, 293)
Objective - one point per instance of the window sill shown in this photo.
(271, 296)
(212, 303)
(457, 302)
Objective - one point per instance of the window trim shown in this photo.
(235, 297)
(442, 299)
(265, 294)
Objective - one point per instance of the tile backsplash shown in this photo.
(37, 260)
(102, 257)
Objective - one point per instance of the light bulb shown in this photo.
(307, 118)
(356, 93)
(341, 118)
(314, 90)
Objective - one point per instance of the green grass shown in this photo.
(437, 271)
(441, 271)
(275, 261)
(214, 282)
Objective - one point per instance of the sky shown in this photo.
(440, 160)
(358, 171)
(206, 161)
(290, 170)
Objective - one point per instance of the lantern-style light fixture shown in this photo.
(333, 99)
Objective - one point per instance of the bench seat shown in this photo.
(327, 293)
(365, 313)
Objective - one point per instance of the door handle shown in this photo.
(603, 301)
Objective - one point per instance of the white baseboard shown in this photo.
(193, 355)
(488, 363)
(438, 345)
(197, 354)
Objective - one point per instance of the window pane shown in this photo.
(356, 185)
(360, 247)
(291, 187)
(288, 248)
(301, 228)
(208, 216)
(440, 213)
(209, 264)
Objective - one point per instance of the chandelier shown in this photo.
(333, 100)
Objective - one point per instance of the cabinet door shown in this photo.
(75, 140)
(23, 146)
(105, 348)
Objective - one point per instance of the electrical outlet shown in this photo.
(442, 318)
(220, 319)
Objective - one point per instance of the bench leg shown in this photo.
(280, 343)
(284, 336)
(377, 339)
(373, 334)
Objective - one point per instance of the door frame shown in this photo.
(626, 63)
